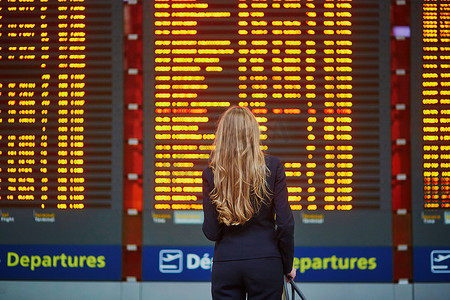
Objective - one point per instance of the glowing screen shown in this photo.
(309, 71)
(436, 104)
(55, 104)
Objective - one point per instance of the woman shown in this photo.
(246, 213)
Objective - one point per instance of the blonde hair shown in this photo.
(239, 167)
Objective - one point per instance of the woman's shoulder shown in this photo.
(272, 162)
(207, 173)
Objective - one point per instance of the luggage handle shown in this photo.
(294, 289)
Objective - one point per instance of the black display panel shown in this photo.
(430, 110)
(315, 74)
(430, 106)
(61, 122)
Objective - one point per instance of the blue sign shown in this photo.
(431, 264)
(313, 264)
(177, 263)
(344, 264)
(60, 262)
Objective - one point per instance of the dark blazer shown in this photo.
(269, 233)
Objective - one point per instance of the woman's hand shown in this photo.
(292, 274)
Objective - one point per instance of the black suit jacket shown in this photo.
(269, 233)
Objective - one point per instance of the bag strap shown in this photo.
(296, 290)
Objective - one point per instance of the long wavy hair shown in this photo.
(238, 164)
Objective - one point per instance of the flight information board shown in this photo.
(430, 115)
(55, 105)
(435, 114)
(305, 69)
(316, 76)
(60, 124)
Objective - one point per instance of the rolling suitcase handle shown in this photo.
(294, 289)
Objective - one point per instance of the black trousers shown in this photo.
(257, 279)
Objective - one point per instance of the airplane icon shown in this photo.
(170, 257)
(440, 261)
(170, 261)
(440, 258)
